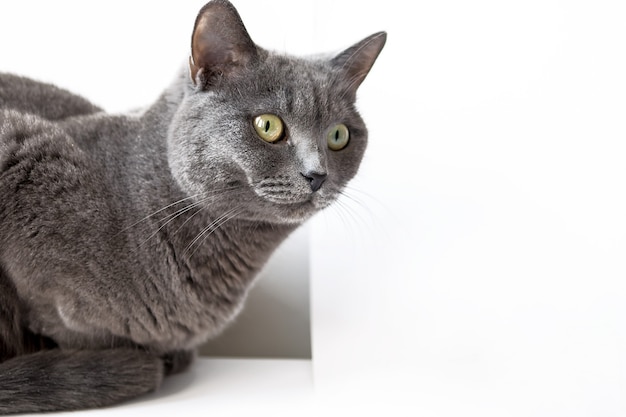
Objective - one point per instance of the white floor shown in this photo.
(226, 387)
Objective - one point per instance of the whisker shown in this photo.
(372, 214)
(375, 205)
(223, 222)
(173, 217)
(355, 220)
(202, 195)
(188, 219)
(159, 211)
(214, 225)
(197, 211)
(360, 204)
(342, 213)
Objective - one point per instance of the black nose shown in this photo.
(315, 179)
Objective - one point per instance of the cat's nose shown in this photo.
(315, 179)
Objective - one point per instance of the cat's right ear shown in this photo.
(220, 44)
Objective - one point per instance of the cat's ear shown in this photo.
(220, 44)
(355, 62)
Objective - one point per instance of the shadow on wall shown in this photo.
(275, 321)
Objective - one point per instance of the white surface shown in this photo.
(226, 387)
(486, 274)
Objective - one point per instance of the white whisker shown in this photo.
(195, 213)
(201, 195)
(343, 213)
(160, 210)
(188, 219)
(173, 217)
(167, 219)
(373, 214)
(216, 224)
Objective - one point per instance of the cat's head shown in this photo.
(264, 135)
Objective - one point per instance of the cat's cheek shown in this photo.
(182, 157)
(346, 166)
(180, 172)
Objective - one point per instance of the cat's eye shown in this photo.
(269, 127)
(338, 137)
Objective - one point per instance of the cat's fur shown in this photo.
(128, 240)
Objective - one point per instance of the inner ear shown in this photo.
(355, 62)
(220, 44)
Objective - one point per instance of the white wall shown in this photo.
(486, 274)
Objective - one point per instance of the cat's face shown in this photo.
(266, 136)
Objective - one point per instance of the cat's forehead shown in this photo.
(302, 88)
(298, 70)
(294, 76)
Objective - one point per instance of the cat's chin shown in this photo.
(299, 212)
(287, 213)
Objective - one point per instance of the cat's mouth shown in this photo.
(306, 200)
(315, 201)
(282, 190)
(297, 209)
(291, 201)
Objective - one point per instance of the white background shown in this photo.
(482, 272)
(497, 174)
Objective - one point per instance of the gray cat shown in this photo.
(128, 240)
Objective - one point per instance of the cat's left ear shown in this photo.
(355, 62)
(220, 44)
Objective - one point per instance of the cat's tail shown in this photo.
(60, 380)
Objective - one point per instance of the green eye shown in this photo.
(269, 127)
(338, 137)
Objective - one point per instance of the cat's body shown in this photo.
(128, 240)
(111, 158)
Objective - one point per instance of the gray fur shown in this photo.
(128, 240)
